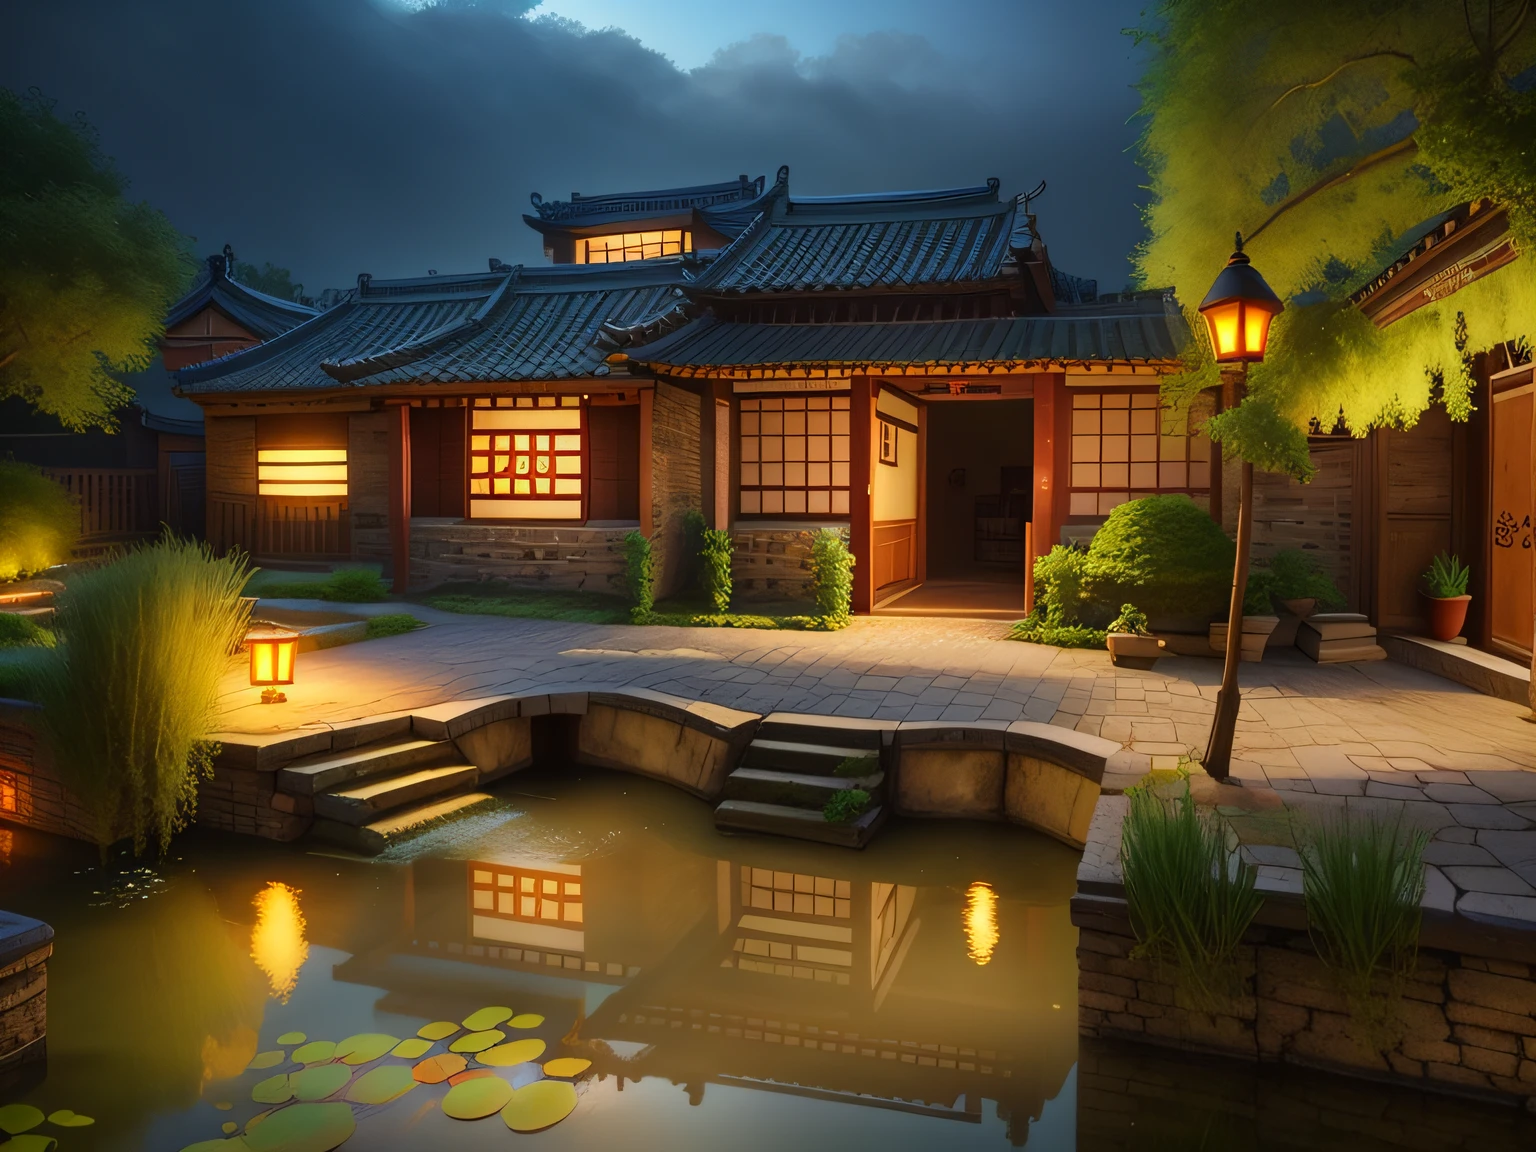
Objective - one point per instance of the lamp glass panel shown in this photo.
(1224, 322)
(1255, 331)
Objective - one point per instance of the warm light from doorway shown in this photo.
(980, 922)
(277, 942)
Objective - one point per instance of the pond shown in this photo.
(698, 992)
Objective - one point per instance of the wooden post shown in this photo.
(861, 525)
(1216, 459)
(647, 449)
(400, 496)
(1043, 528)
(1218, 752)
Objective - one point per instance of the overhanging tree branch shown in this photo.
(1374, 160)
(1353, 60)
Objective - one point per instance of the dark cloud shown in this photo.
(338, 136)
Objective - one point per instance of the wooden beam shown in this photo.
(400, 496)
(861, 524)
(1049, 395)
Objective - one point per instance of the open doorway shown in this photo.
(978, 487)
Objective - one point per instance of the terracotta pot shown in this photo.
(1130, 650)
(1302, 607)
(1256, 630)
(1447, 614)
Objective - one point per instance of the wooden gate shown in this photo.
(1511, 612)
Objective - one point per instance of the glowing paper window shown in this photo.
(7, 792)
(794, 456)
(526, 459)
(625, 246)
(1121, 450)
(532, 902)
(301, 471)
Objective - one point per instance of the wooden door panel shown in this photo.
(1409, 546)
(613, 462)
(894, 557)
(1513, 540)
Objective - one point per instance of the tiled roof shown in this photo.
(513, 324)
(902, 240)
(1139, 329)
(584, 211)
(261, 315)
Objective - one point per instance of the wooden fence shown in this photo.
(115, 503)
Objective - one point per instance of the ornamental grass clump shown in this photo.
(1363, 884)
(1191, 897)
(130, 698)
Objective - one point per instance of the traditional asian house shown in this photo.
(909, 367)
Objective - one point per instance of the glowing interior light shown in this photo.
(301, 471)
(277, 942)
(980, 921)
(301, 456)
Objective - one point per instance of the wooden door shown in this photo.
(613, 462)
(1415, 470)
(437, 462)
(1511, 611)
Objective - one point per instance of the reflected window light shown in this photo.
(980, 922)
(277, 942)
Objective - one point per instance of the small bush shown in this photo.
(391, 624)
(1131, 619)
(23, 632)
(131, 696)
(639, 574)
(832, 577)
(356, 586)
(845, 806)
(715, 551)
(1299, 576)
(1164, 553)
(1036, 629)
(1061, 578)
(39, 521)
(1190, 897)
(854, 767)
(694, 527)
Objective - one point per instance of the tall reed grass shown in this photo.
(130, 697)
(1191, 897)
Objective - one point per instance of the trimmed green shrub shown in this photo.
(131, 696)
(1164, 553)
(1258, 593)
(39, 521)
(845, 806)
(639, 573)
(1300, 576)
(694, 527)
(23, 632)
(392, 624)
(1190, 897)
(832, 577)
(356, 586)
(1061, 579)
(715, 552)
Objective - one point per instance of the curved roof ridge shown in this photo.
(263, 315)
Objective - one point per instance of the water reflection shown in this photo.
(277, 940)
(980, 921)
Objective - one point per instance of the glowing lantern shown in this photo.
(1238, 310)
(273, 652)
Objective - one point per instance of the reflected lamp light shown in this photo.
(1238, 310)
(274, 651)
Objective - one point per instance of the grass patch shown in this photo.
(856, 767)
(846, 806)
(24, 632)
(531, 604)
(1036, 629)
(392, 624)
(348, 586)
(739, 620)
(1191, 897)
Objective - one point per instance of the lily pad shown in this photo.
(267, 1060)
(364, 1047)
(273, 1090)
(223, 1105)
(477, 1041)
(470, 1074)
(411, 1049)
(484, 1018)
(229, 1127)
(437, 1030)
(517, 1052)
(292, 1038)
(567, 1066)
(314, 1052)
(436, 1069)
(32, 1142)
(302, 1128)
(206, 1146)
(19, 1118)
(68, 1118)
(539, 1105)
(381, 1085)
(320, 1081)
(478, 1098)
(526, 1020)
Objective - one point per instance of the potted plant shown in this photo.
(1257, 622)
(1130, 644)
(1446, 590)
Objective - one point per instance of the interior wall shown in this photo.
(982, 437)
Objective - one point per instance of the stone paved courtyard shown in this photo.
(1376, 737)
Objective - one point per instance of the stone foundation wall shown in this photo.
(677, 483)
(37, 798)
(247, 802)
(772, 563)
(368, 483)
(567, 559)
(25, 945)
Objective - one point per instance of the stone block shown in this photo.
(1052, 799)
(960, 781)
(1103, 1001)
(1114, 985)
(1455, 1074)
(1485, 1060)
(499, 747)
(631, 741)
(1459, 1012)
(1427, 1050)
(1486, 1038)
(1491, 990)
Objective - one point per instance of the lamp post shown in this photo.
(273, 654)
(1238, 310)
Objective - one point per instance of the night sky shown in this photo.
(341, 136)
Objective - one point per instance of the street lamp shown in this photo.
(273, 652)
(1238, 310)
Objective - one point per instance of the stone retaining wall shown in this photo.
(565, 559)
(772, 563)
(25, 945)
(35, 796)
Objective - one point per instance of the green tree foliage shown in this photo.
(39, 521)
(269, 278)
(86, 276)
(1329, 134)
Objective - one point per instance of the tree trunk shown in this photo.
(1218, 752)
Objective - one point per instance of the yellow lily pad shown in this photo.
(257, 1119)
(69, 1118)
(267, 1060)
(302, 1128)
(526, 1020)
(567, 1066)
(19, 1118)
(476, 1099)
(203, 1146)
(517, 1052)
(224, 1105)
(292, 1038)
(382, 1084)
(411, 1049)
(273, 1090)
(364, 1047)
(540, 1104)
(477, 1041)
(484, 1018)
(437, 1030)
(320, 1081)
(229, 1127)
(32, 1142)
(436, 1069)
(314, 1052)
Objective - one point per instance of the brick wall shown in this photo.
(25, 946)
(586, 559)
(676, 480)
(773, 563)
(368, 483)
(42, 801)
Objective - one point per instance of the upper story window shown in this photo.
(624, 246)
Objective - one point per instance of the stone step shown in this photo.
(326, 770)
(839, 731)
(364, 802)
(800, 823)
(809, 759)
(796, 790)
(371, 839)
